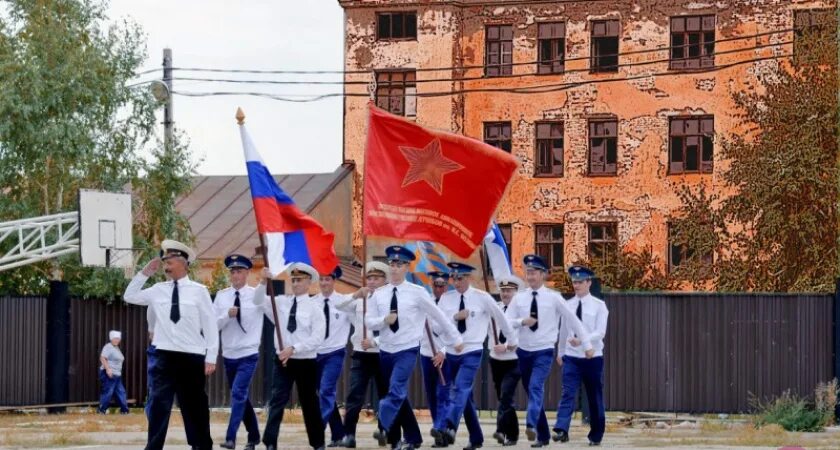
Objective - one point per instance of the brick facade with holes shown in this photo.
(627, 137)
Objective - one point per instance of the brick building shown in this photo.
(611, 106)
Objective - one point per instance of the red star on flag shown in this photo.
(428, 164)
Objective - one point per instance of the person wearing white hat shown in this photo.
(110, 374)
(504, 368)
(365, 360)
(186, 339)
(302, 327)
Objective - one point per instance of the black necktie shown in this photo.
(579, 310)
(534, 311)
(238, 306)
(396, 325)
(175, 311)
(462, 324)
(327, 316)
(502, 338)
(292, 326)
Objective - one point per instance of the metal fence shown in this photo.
(664, 352)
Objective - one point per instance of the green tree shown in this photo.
(71, 121)
(779, 231)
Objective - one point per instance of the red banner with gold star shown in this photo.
(429, 185)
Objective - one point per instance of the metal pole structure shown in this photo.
(167, 108)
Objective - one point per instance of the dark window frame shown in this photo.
(603, 130)
(397, 91)
(499, 139)
(604, 35)
(603, 241)
(545, 148)
(498, 43)
(683, 253)
(405, 24)
(685, 132)
(551, 48)
(690, 35)
(554, 243)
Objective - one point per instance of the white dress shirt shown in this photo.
(309, 334)
(355, 307)
(509, 354)
(237, 343)
(426, 344)
(551, 306)
(414, 305)
(340, 321)
(196, 331)
(482, 309)
(594, 312)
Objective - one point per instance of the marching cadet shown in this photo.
(437, 393)
(365, 359)
(576, 367)
(536, 314)
(239, 315)
(504, 368)
(331, 354)
(394, 311)
(302, 328)
(186, 342)
(471, 310)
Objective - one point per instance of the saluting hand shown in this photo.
(151, 267)
(209, 369)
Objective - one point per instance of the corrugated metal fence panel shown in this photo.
(22, 343)
(90, 322)
(664, 352)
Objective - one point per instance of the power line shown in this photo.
(433, 69)
(440, 80)
(521, 90)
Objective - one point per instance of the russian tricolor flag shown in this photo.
(290, 235)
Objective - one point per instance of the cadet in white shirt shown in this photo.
(331, 354)
(186, 339)
(471, 310)
(572, 358)
(397, 311)
(365, 360)
(239, 315)
(302, 328)
(536, 313)
(504, 367)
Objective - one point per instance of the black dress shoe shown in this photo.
(349, 441)
(250, 446)
(508, 443)
(381, 437)
(334, 444)
(270, 447)
(449, 436)
(539, 444)
(594, 444)
(560, 436)
(499, 437)
(228, 444)
(472, 446)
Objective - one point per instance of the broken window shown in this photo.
(498, 55)
(548, 161)
(691, 144)
(604, 49)
(498, 135)
(603, 147)
(692, 42)
(551, 42)
(396, 92)
(549, 244)
(603, 243)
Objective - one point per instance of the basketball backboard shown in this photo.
(105, 229)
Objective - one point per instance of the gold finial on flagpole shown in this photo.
(240, 116)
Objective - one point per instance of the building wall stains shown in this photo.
(642, 96)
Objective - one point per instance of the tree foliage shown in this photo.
(72, 121)
(779, 231)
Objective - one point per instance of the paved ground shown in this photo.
(81, 429)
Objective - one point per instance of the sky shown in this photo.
(264, 35)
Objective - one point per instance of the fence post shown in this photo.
(58, 345)
(835, 326)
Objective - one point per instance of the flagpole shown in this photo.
(482, 254)
(240, 119)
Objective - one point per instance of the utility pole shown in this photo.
(167, 108)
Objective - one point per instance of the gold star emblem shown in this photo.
(428, 164)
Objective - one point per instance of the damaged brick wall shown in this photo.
(642, 96)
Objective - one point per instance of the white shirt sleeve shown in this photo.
(151, 318)
(259, 295)
(600, 330)
(374, 319)
(562, 336)
(222, 318)
(571, 319)
(511, 314)
(449, 334)
(134, 292)
(209, 327)
(346, 304)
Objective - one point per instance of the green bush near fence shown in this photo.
(794, 413)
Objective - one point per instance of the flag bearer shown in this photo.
(504, 368)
